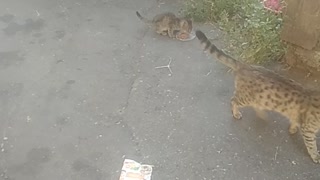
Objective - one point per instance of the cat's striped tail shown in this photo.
(219, 54)
(145, 20)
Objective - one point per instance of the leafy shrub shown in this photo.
(253, 32)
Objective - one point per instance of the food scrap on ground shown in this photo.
(185, 36)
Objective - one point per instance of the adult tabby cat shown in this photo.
(263, 89)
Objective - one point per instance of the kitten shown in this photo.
(168, 24)
(263, 89)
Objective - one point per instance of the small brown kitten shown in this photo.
(168, 24)
(263, 89)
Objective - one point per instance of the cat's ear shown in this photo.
(185, 23)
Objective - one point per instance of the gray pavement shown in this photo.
(79, 92)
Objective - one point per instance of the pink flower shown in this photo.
(273, 5)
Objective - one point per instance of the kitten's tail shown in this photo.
(147, 21)
(219, 54)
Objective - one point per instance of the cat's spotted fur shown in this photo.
(263, 89)
(168, 24)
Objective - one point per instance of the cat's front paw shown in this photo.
(237, 115)
(293, 129)
(164, 34)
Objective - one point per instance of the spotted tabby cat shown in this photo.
(168, 24)
(263, 89)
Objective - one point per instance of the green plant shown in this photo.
(253, 32)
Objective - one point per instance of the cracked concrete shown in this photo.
(80, 91)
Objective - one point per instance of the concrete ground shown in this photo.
(80, 91)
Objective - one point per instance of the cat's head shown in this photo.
(186, 25)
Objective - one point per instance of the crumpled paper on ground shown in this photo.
(132, 170)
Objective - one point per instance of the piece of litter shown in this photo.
(293, 162)
(209, 73)
(132, 170)
(2, 147)
(167, 66)
(5, 138)
(276, 154)
(28, 118)
(38, 14)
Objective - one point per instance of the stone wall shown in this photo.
(301, 30)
